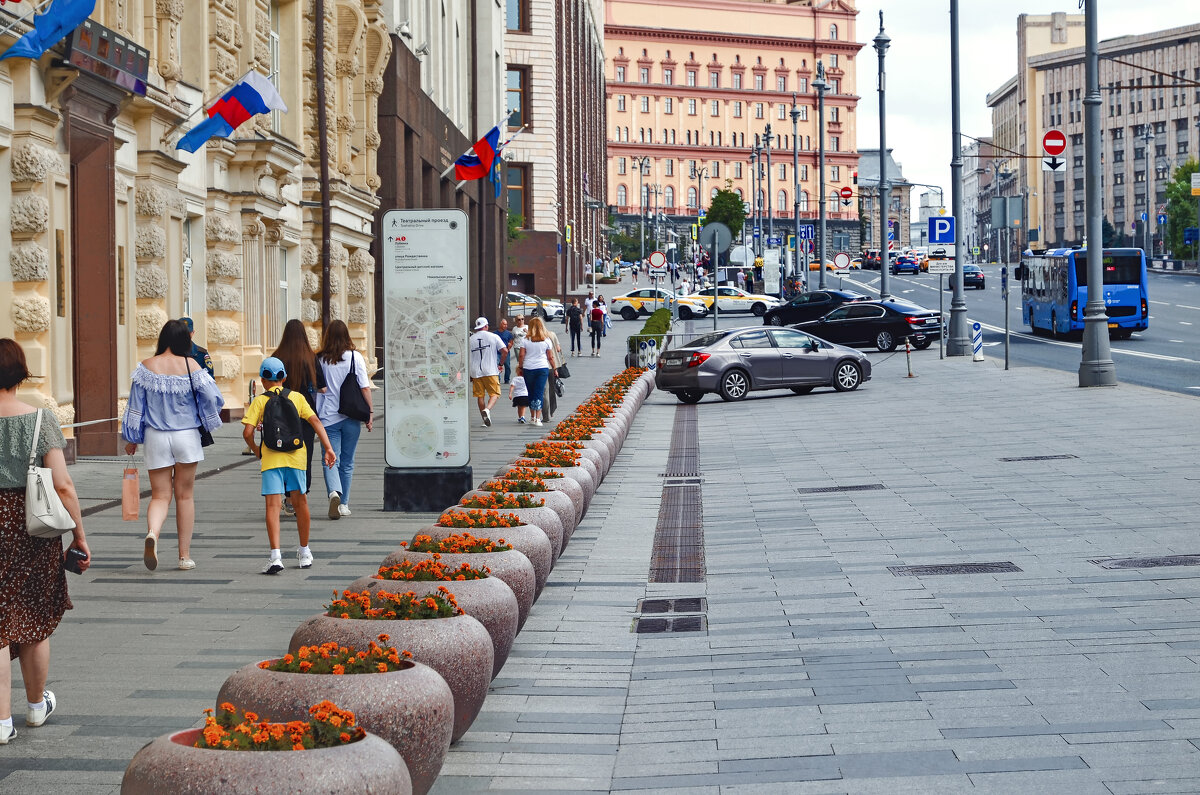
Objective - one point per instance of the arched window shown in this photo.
(833, 32)
(692, 198)
(762, 199)
(781, 200)
(645, 195)
(714, 193)
(617, 137)
(668, 196)
(622, 195)
(804, 201)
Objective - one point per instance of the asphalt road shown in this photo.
(1165, 356)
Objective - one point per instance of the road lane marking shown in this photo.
(1184, 323)
(1078, 346)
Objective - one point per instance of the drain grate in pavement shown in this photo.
(834, 489)
(654, 626)
(670, 483)
(678, 551)
(687, 605)
(1039, 458)
(1148, 563)
(953, 568)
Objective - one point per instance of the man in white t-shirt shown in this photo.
(486, 352)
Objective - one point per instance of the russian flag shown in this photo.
(248, 97)
(479, 165)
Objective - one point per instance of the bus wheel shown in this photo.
(1054, 325)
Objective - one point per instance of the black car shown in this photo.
(809, 306)
(972, 277)
(883, 324)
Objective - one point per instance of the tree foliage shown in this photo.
(728, 208)
(1181, 210)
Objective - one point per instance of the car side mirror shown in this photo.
(814, 346)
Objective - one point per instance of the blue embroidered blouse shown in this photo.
(165, 403)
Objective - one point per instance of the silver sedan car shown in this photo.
(734, 362)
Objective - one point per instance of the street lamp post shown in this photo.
(767, 138)
(882, 42)
(960, 337)
(821, 85)
(754, 198)
(642, 163)
(796, 198)
(1096, 366)
(1148, 140)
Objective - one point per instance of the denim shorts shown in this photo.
(282, 480)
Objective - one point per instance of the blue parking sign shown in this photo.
(941, 230)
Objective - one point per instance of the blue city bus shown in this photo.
(1054, 290)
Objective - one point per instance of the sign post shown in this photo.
(1004, 292)
(939, 264)
(716, 237)
(1054, 143)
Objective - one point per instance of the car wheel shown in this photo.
(689, 395)
(847, 377)
(775, 320)
(759, 309)
(922, 345)
(734, 385)
(685, 313)
(885, 342)
(629, 313)
(802, 390)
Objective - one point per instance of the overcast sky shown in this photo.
(918, 67)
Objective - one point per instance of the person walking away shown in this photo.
(506, 337)
(339, 361)
(741, 280)
(170, 400)
(282, 453)
(198, 354)
(487, 350)
(33, 583)
(575, 327)
(596, 326)
(536, 365)
(304, 376)
(633, 271)
(556, 361)
(518, 393)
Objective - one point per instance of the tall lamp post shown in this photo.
(1096, 366)
(796, 197)
(821, 85)
(641, 163)
(1148, 141)
(769, 207)
(960, 337)
(756, 205)
(882, 41)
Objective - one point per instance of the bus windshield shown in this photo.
(1118, 269)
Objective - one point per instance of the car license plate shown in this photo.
(1113, 325)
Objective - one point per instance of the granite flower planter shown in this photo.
(558, 501)
(458, 648)
(581, 476)
(489, 601)
(527, 539)
(567, 486)
(542, 517)
(510, 566)
(172, 764)
(411, 708)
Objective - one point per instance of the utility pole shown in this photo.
(960, 337)
(796, 198)
(767, 138)
(881, 42)
(756, 186)
(821, 85)
(1148, 141)
(642, 163)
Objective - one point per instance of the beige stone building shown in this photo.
(113, 230)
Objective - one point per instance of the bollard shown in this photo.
(908, 356)
(976, 342)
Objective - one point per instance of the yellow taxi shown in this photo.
(533, 306)
(731, 299)
(643, 302)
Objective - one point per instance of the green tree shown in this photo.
(1181, 210)
(728, 208)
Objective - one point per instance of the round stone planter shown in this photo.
(567, 486)
(172, 764)
(543, 517)
(526, 539)
(510, 567)
(489, 601)
(458, 648)
(581, 476)
(412, 708)
(599, 450)
(558, 501)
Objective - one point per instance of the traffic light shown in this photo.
(855, 180)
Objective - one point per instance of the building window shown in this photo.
(620, 74)
(714, 79)
(668, 196)
(645, 104)
(669, 167)
(758, 82)
(737, 79)
(737, 110)
(621, 102)
(804, 173)
(518, 192)
(758, 110)
(781, 82)
(833, 61)
(781, 200)
(668, 105)
(691, 107)
(804, 199)
(691, 77)
(835, 143)
(692, 198)
(804, 85)
(517, 17)
(644, 74)
(622, 195)
(783, 113)
(783, 171)
(716, 107)
(837, 85)
(517, 81)
(835, 174)
(620, 165)
(833, 114)
(804, 113)
(669, 76)
(737, 169)
(716, 169)
(833, 32)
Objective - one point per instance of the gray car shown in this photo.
(734, 362)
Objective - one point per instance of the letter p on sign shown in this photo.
(941, 230)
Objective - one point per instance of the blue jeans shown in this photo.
(507, 368)
(343, 438)
(535, 382)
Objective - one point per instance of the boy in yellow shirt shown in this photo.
(283, 469)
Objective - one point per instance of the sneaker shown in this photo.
(150, 556)
(304, 558)
(521, 420)
(274, 566)
(537, 422)
(335, 502)
(7, 733)
(487, 418)
(344, 510)
(36, 717)
(288, 508)
(186, 564)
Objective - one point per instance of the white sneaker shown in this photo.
(36, 717)
(537, 422)
(274, 566)
(487, 418)
(344, 510)
(335, 502)
(304, 558)
(7, 733)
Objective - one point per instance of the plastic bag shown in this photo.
(131, 500)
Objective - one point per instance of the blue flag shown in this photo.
(50, 27)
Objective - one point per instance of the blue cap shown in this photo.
(187, 321)
(272, 369)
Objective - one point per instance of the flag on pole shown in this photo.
(50, 27)
(477, 163)
(246, 98)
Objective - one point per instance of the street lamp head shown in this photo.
(819, 82)
(881, 41)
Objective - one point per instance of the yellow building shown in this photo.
(113, 230)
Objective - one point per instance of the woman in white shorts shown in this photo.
(170, 398)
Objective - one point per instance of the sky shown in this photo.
(918, 67)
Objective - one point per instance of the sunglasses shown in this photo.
(270, 376)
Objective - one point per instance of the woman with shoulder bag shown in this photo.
(304, 375)
(173, 405)
(33, 583)
(536, 363)
(340, 363)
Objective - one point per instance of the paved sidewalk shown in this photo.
(819, 671)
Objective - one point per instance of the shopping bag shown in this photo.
(130, 495)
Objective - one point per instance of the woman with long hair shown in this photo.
(33, 583)
(536, 363)
(304, 375)
(170, 400)
(338, 361)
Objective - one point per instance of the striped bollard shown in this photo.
(976, 342)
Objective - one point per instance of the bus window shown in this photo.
(1118, 269)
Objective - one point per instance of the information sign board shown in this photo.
(941, 266)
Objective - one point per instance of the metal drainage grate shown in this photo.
(655, 626)
(1148, 563)
(669, 483)
(833, 489)
(1039, 458)
(953, 568)
(677, 554)
(688, 605)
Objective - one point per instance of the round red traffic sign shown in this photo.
(846, 192)
(1054, 143)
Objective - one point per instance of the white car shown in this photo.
(643, 302)
(528, 305)
(731, 299)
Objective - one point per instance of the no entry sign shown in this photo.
(1054, 143)
(846, 192)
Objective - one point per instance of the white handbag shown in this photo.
(45, 515)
